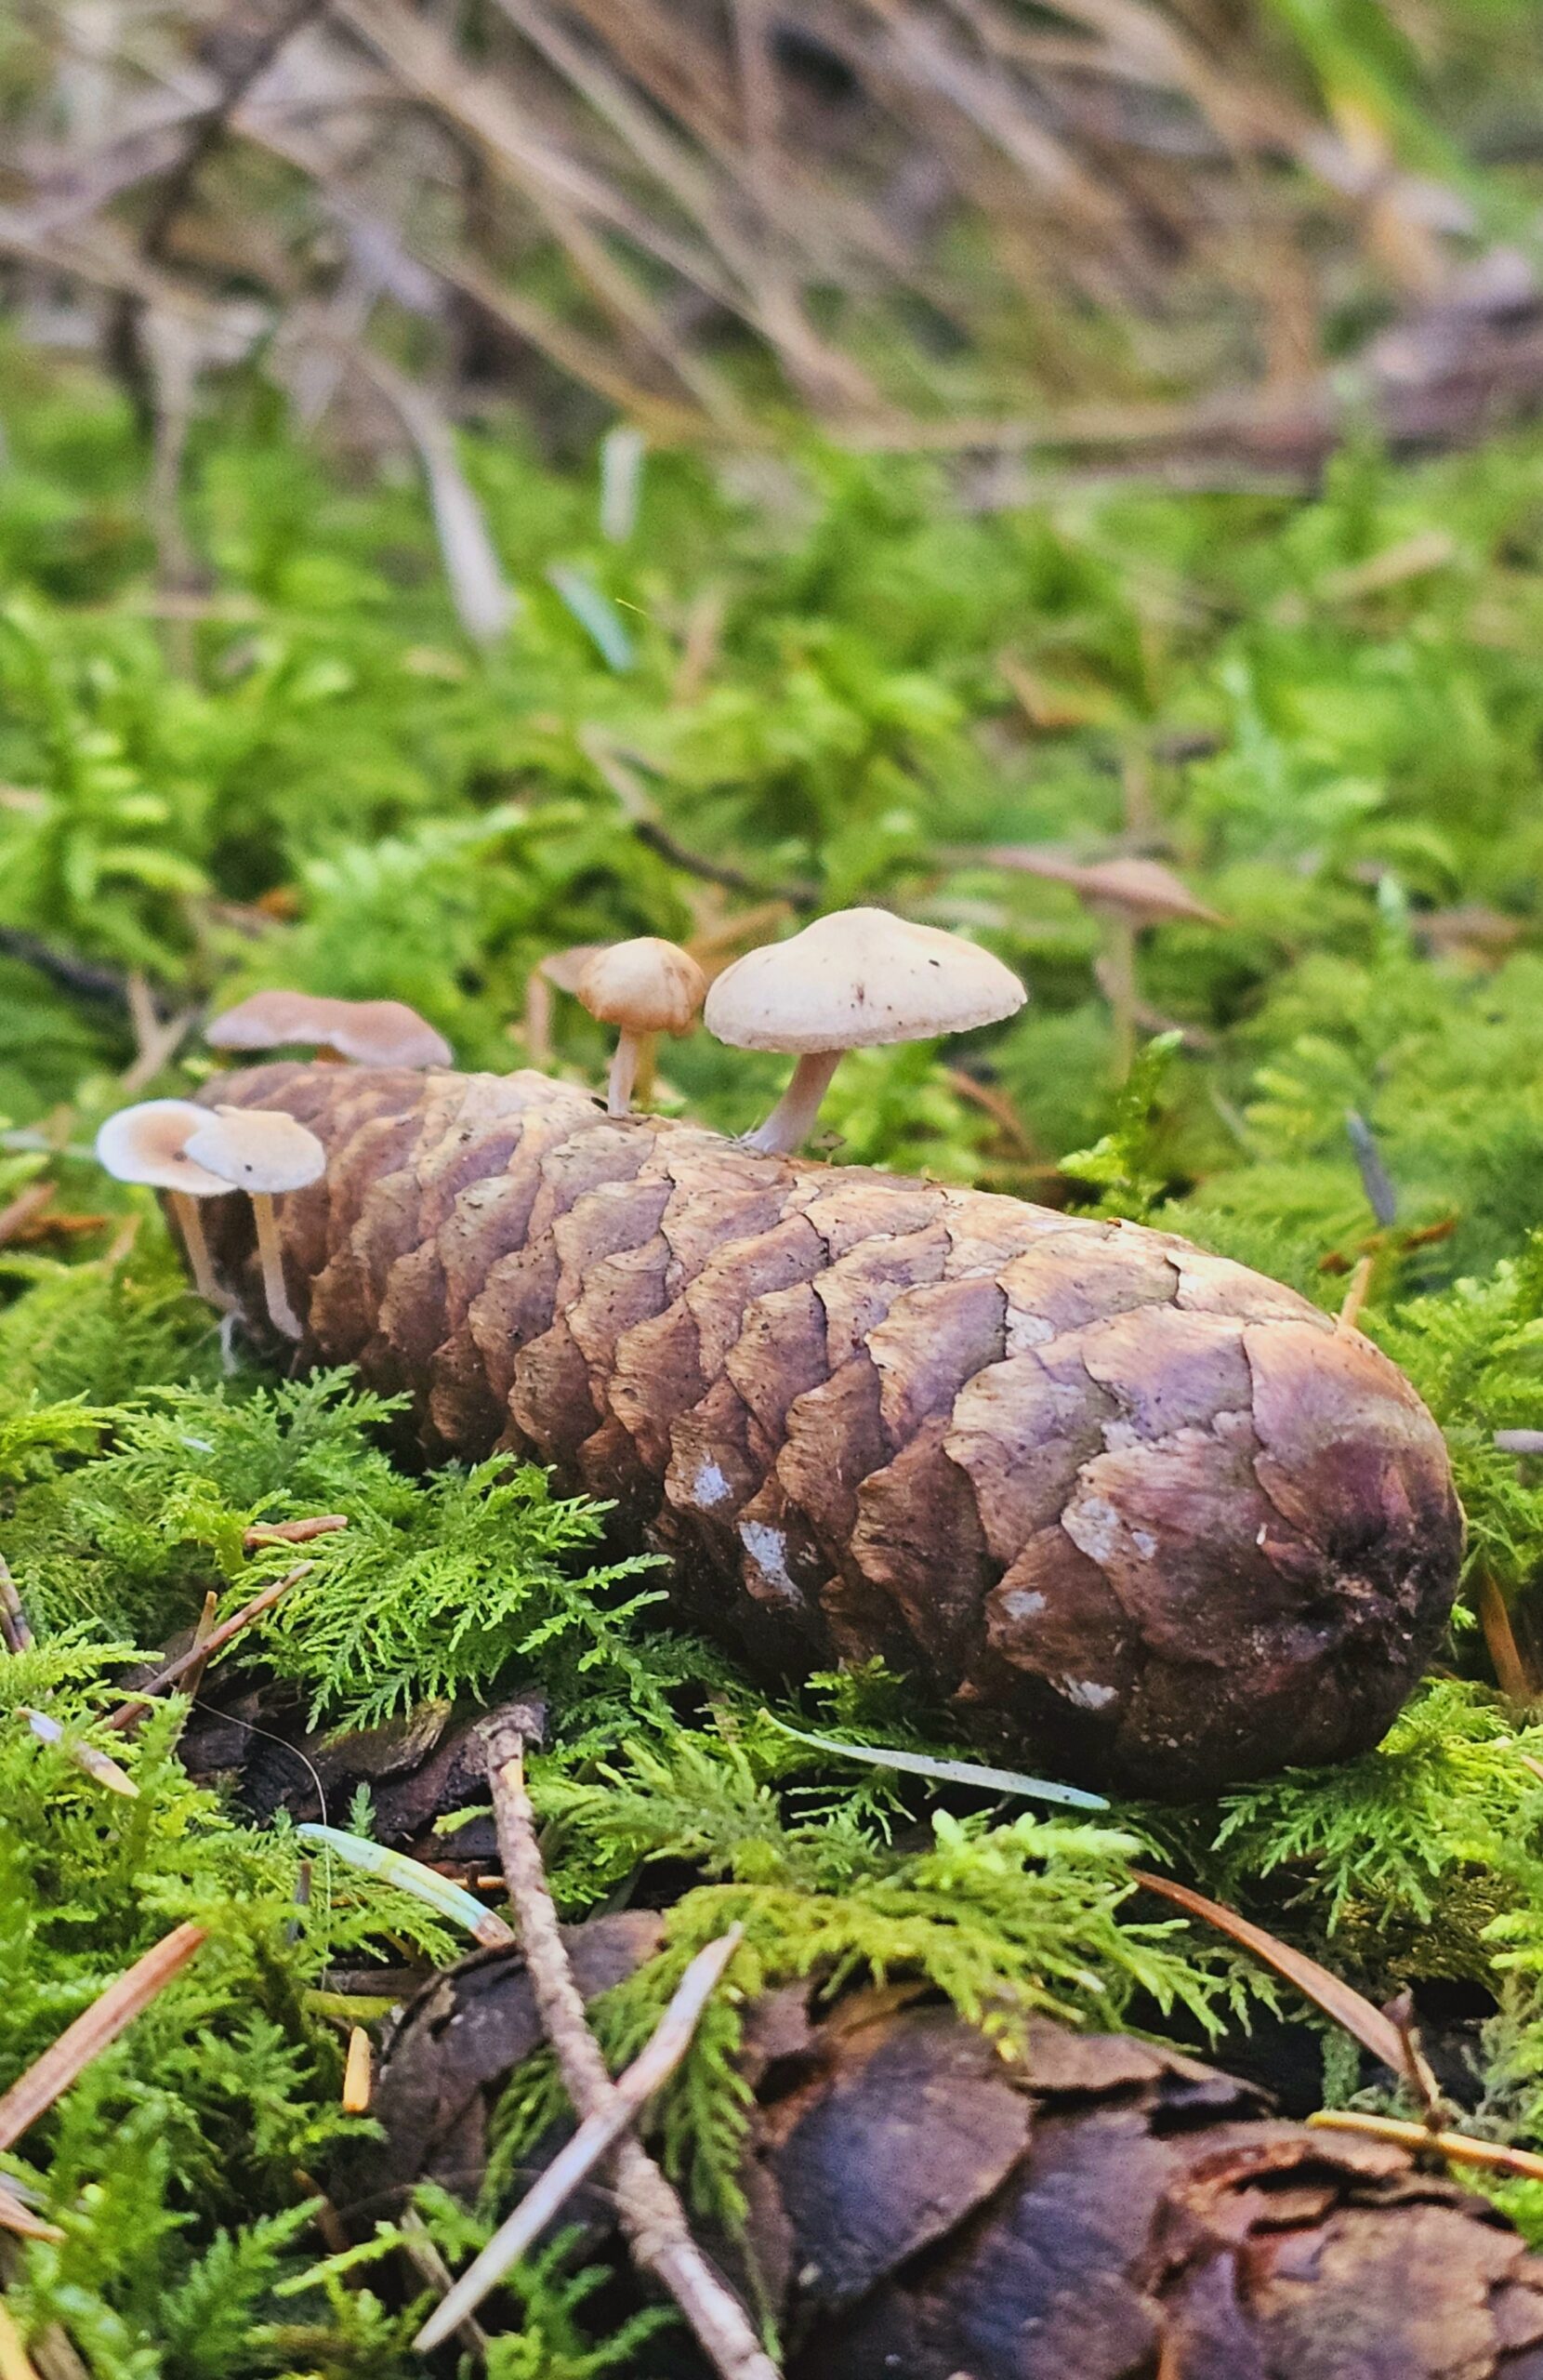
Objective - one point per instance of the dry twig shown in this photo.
(594, 2140)
(198, 1655)
(649, 2212)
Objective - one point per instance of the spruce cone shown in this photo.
(1136, 1509)
(1098, 2209)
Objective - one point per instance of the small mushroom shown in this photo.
(1124, 896)
(149, 1145)
(371, 1033)
(851, 981)
(643, 987)
(264, 1153)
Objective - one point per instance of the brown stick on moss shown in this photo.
(1134, 1508)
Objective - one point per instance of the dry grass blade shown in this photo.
(485, 600)
(593, 2141)
(1338, 2000)
(48, 2077)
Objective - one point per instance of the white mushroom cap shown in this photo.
(857, 978)
(372, 1033)
(647, 986)
(149, 1144)
(562, 968)
(260, 1150)
(270, 1019)
(1141, 890)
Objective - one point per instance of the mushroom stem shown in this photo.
(280, 1312)
(190, 1223)
(623, 1072)
(1117, 975)
(792, 1120)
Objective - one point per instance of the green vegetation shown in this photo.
(1327, 712)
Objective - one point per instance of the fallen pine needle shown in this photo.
(17, 2217)
(15, 2362)
(412, 1876)
(1458, 2148)
(949, 1772)
(1336, 1998)
(198, 1655)
(594, 2140)
(111, 2012)
(357, 2079)
(99, 1766)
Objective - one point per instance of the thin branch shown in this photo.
(253, 51)
(649, 2212)
(199, 1655)
(16, 2216)
(594, 2140)
(292, 1532)
(82, 976)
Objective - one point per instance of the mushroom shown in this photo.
(149, 1145)
(645, 987)
(852, 980)
(263, 1152)
(1124, 896)
(372, 1033)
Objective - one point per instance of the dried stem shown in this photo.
(198, 1655)
(292, 1532)
(1116, 973)
(15, 1633)
(649, 2212)
(1355, 1295)
(1511, 1672)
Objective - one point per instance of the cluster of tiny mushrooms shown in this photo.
(853, 980)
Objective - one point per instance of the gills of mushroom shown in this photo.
(265, 1153)
(147, 1145)
(643, 987)
(368, 1033)
(854, 980)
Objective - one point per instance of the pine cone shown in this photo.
(1095, 2208)
(1135, 1509)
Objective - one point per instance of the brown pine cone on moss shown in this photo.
(1134, 1508)
(1091, 2209)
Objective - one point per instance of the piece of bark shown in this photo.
(1135, 1508)
(923, 2205)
